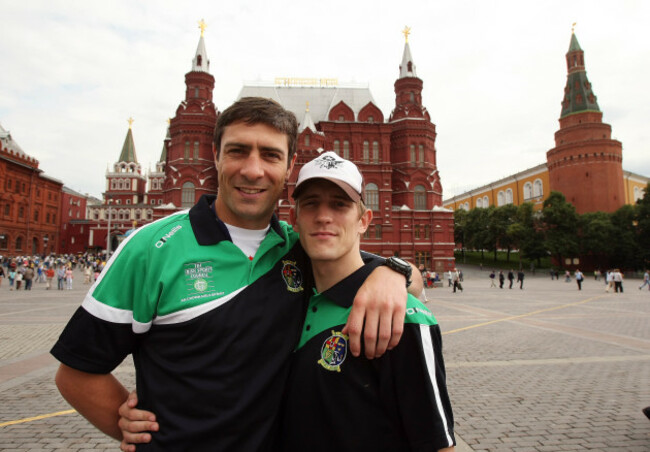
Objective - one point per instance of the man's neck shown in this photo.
(327, 273)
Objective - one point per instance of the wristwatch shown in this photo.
(400, 266)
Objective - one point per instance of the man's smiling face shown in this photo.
(252, 168)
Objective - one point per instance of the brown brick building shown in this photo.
(29, 203)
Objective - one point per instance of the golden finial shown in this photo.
(307, 109)
(130, 121)
(573, 27)
(202, 26)
(169, 121)
(406, 32)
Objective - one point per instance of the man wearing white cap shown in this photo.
(396, 402)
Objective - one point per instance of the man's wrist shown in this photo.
(400, 266)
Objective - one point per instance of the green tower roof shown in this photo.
(574, 46)
(128, 149)
(578, 95)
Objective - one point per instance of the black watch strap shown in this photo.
(400, 266)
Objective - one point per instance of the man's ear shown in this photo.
(365, 220)
(214, 153)
(291, 164)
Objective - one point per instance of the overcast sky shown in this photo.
(73, 72)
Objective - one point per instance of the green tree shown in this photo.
(476, 230)
(560, 227)
(500, 219)
(625, 252)
(526, 233)
(643, 228)
(597, 237)
(460, 226)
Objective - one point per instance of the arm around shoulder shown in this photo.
(97, 397)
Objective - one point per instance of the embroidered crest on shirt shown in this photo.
(334, 351)
(292, 276)
(198, 280)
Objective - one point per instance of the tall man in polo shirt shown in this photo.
(336, 402)
(210, 330)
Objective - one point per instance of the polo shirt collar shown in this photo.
(210, 230)
(343, 292)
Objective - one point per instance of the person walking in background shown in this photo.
(19, 278)
(609, 280)
(28, 277)
(618, 280)
(502, 279)
(68, 277)
(2, 275)
(60, 275)
(456, 279)
(511, 277)
(449, 278)
(520, 278)
(646, 280)
(49, 276)
(492, 278)
(579, 277)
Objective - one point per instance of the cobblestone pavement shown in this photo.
(546, 368)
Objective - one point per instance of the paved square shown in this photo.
(546, 368)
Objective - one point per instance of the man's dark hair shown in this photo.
(256, 110)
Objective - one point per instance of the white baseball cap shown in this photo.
(330, 166)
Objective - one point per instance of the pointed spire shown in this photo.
(201, 63)
(307, 121)
(578, 95)
(128, 148)
(407, 68)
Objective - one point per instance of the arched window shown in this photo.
(372, 196)
(375, 151)
(479, 202)
(187, 195)
(486, 201)
(420, 198)
(421, 154)
(509, 196)
(307, 137)
(4, 240)
(538, 189)
(466, 206)
(412, 149)
(501, 198)
(366, 151)
(346, 150)
(528, 191)
(19, 243)
(337, 147)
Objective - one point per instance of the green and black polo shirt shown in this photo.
(211, 332)
(336, 402)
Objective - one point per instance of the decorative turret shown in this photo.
(126, 184)
(585, 164)
(578, 95)
(128, 148)
(189, 159)
(201, 63)
(307, 121)
(408, 87)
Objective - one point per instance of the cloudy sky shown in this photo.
(73, 72)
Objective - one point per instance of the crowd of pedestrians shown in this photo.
(24, 272)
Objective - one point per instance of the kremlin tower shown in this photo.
(586, 163)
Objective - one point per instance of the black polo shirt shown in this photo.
(211, 332)
(336, 402)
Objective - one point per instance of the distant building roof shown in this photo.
(321, 99)
(9, 143)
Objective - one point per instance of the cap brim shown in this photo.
(351, 192)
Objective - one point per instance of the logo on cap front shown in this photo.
(328, 162)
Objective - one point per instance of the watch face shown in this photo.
(400, 261)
